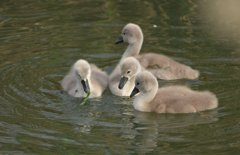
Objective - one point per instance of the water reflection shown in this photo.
(146, 130)
(223, 17)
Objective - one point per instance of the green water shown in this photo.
(40, 40)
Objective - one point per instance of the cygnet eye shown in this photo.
(128, 72)
(137, 83)
(124, 33)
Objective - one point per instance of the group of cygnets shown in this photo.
(136, 75)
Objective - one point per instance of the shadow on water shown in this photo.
(40, 40)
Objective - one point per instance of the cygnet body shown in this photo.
(84, 78)
(170, 99)
(161, 66)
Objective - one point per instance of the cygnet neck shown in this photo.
(149, 96)
(133, 49)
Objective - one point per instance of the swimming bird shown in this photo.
(160, 65)
(169, 99)
(84, 78)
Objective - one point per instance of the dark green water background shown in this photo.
(40, 40)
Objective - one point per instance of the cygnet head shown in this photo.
(145, 82)
(131, 33)
(129, 69)
(83, 72)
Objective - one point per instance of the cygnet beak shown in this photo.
(122, 82)
(119, 40)
(134, 92)
(85, 85)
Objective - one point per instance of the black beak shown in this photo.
(119, 40)
(85, 85)
(122, 82)
(134, 92)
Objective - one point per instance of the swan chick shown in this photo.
(122, 83)
(129, 68)
(133, 35)
(170, 99)
(164, 67)
(85, 78)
